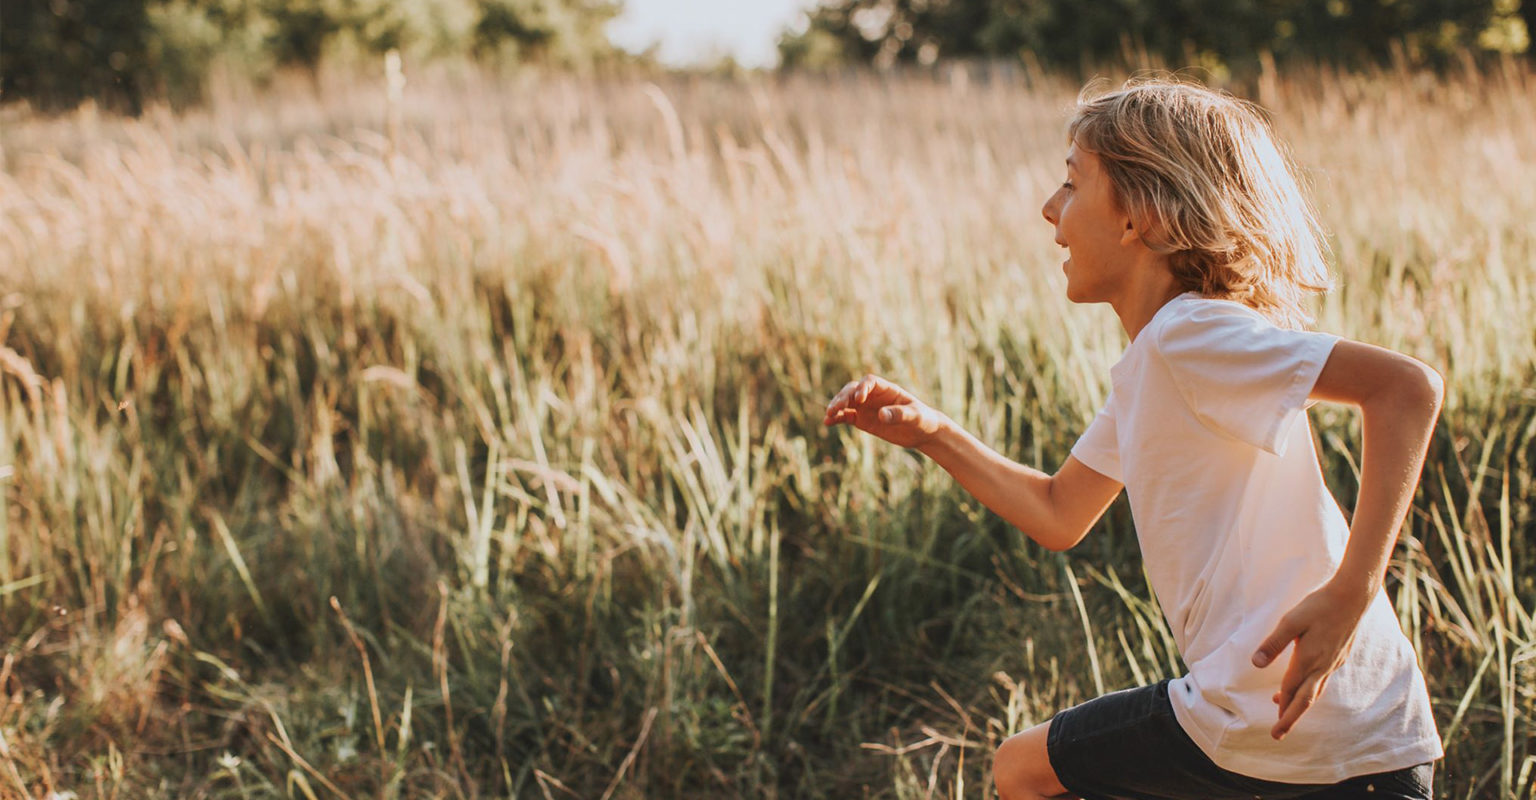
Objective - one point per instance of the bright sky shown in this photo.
(691, 31)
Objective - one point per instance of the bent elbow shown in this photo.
(1436, 383)
(1413, 389)
(1054, 545)
(1428, 385)
(1057, 541)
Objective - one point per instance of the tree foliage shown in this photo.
(67, 50)
(1071, 33)
(566, 32)
(56, 53)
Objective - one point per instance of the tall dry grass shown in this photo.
(479, 456)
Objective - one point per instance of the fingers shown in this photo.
(856, 395)
(875, 389)
(838, 410)
(1295, 677)
(1274, 644)
(1305, 677)
(1289, 684)
(1321, 634)
(839, 404)
(847, 415)
(1297, 702)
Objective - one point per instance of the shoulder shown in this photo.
(1205, 337)
(1239, 373)
(1192, 322)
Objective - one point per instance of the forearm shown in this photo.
(1054, 510)
(1397, 424)
(1018, 493)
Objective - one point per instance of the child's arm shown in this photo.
(1399, 399)
(1054, 510)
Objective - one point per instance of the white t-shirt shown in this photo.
(1205, 425)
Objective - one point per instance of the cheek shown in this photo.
(1067, 220)
(1071, 207)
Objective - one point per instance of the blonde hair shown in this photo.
(1206, 183)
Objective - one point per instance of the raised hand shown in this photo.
(876, 406)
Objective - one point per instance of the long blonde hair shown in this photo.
(1206, 183)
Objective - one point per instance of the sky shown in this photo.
(694, 31)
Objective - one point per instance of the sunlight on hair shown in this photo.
(1206, 182)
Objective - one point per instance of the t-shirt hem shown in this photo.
(1268, 768)
(1093, 461)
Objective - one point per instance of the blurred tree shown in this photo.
(1222, 32)
(564, 32)
(59, 52)
(815, 49)
(301, 29)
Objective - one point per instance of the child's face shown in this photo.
(1091, 225)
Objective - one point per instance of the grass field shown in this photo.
(468, 445)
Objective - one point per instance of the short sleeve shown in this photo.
(1099, 446)
(1241, 375)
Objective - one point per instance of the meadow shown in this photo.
(464, 441)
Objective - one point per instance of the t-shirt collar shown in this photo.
(1127, 358)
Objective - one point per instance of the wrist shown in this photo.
(943, 440)
(1352, 590)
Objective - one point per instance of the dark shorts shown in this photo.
(1129, 745)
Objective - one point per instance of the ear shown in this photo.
(1128, 234)
(1134, 232)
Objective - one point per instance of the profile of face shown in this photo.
(1095, 230)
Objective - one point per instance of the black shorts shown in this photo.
(1129, 745)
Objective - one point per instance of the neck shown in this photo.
(1151, 289)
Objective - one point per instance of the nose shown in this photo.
(1051, 209)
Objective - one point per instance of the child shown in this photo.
(1182, 213)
